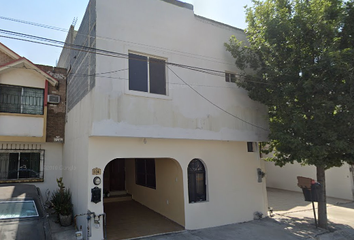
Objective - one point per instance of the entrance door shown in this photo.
(117, 179)
(114, 175)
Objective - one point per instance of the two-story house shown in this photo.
(32, 118)
(153, 111)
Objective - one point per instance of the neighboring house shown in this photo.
(32, 118)
(339, 180)
(181, 141)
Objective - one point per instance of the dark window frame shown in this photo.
(250, 147)
(196, 181)
(145, 172)
(21, 100)
(147, 73)
(230, 77)
(21, 166)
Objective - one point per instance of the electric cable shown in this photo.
(56, 43)
(198, 56)
(215, 105)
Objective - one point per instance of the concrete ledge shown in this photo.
(180, 4)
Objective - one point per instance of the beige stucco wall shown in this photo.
(19, 126)
(22, 77)
(338, 180)
(233, 192)
(167, 199)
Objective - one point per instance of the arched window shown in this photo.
(196, 181)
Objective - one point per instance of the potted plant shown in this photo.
(61, 201)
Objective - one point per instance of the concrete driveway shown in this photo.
(293, 220)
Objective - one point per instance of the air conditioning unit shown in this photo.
(55, 99)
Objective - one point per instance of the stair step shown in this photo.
(126, 197)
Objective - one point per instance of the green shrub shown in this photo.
(61, 199)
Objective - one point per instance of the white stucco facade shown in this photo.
(179, 36)
(201, 116)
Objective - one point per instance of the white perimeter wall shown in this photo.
(338, 180)
(233, 193)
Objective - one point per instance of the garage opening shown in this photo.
(142, 197)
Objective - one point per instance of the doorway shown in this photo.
(114, 176)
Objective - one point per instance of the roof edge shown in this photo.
(8, 51)
(219, 23)
(48, 78)
(180, 4)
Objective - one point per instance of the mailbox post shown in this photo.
(310, 189)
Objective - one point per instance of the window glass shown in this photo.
(10, 99)
(157, 76)
(138, 73)
(230, 77)
(20, 165)
(147, 74)
(16, 99)
(250, 147)
(18, 209)
(32, 101)
(196, 181)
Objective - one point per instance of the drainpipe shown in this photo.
(93, 215)
(89, 213)
(104, 223)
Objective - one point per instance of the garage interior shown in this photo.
(143, 197)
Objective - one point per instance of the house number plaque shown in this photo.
(96, 171)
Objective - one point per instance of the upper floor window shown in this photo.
(147, 74)
(196, 181)
(230, 77)
(22, 164)
(17, 99)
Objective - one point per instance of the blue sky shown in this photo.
(62, 13)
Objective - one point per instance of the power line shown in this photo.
(185, 83)
(201, 95)
(61, 44)
(34, 24)
(198, 56)
(96, 50)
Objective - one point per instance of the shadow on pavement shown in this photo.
(304, 227)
